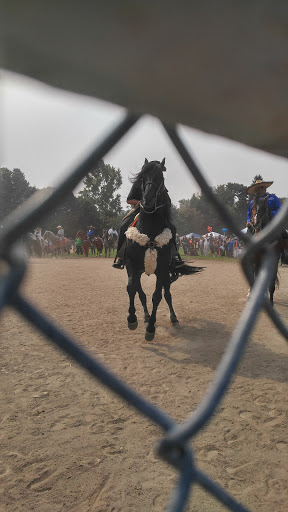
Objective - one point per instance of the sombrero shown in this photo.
(258, 183)
(59, 227)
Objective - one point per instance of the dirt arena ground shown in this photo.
(69, 444)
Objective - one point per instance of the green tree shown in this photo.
(73, 214)
(187, 218)
(14, 190)
(197, 213)
(88, 215)
(234, 197)
(100, 187)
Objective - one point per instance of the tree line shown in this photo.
(197, 213)
(99, 203)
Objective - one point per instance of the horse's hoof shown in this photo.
(133, 326)
(174, 321)
(149, 336)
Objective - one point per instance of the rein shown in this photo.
(153, 211)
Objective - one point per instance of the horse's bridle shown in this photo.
(160, 189)
(258, 205)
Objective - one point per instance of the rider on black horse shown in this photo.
(134, 198)
(259, 189)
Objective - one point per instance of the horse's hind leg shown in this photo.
(271, 292)
(272, 285)
(168, 298)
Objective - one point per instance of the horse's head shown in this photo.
(152, 185)
(263, 213)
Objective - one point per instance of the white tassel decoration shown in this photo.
(150, 258)
(134, 234)
(150, 261)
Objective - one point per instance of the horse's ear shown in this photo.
(146, 161)
(163, 165)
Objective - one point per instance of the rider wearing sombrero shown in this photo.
(60, 232)
(259, 189)
(90, 234)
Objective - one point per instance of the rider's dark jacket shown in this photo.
(273, 203)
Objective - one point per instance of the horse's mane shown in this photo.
(167, 214)
(146, 167)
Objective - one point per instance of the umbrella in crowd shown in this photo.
(193, 234)
(215, 235)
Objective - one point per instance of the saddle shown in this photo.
(134, 209)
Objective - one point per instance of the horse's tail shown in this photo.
(184, 270)
(187, 270)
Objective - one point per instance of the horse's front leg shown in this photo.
(131, 289)
(273, 283)
(143, 299)
(168, 298)
(271, 292)
(251, 275)
(156, 299)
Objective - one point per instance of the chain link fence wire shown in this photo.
(175, 446)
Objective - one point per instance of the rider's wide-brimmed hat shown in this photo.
(59, 227)
(257, 184)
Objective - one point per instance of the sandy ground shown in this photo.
(69, 444)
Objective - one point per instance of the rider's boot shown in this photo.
(119, 264)
(176, 258)
(120, 256)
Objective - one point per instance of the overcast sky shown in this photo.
(44, 131)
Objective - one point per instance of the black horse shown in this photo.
(149, 245)
(262, 215)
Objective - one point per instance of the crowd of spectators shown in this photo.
(210, 246)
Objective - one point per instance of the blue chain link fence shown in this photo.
(175, 446)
